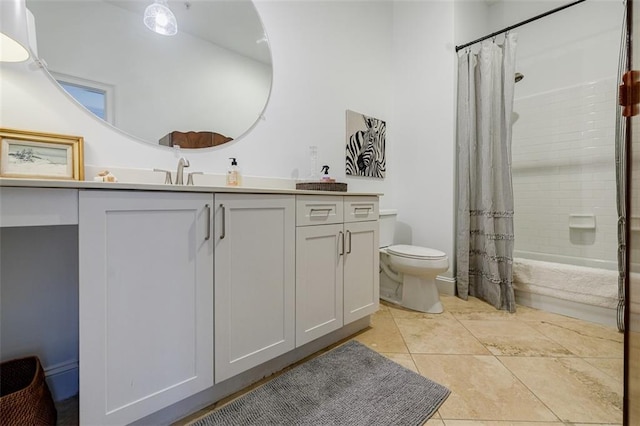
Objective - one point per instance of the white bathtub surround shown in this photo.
(564, 171)
(581, 292)
(591, 286)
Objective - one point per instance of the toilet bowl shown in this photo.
(408, 273)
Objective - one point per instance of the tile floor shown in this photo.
(531, 368)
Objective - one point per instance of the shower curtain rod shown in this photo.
(504, 30)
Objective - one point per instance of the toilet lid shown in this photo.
(415, 252)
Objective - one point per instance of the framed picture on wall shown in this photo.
(34, 155)
(366, 140)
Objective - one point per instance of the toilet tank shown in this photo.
(387, 227)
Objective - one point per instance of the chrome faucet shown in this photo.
(182, 163)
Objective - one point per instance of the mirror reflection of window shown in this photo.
(94, 96)
(92, 99)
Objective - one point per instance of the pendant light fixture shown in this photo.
(159, 18)
(13, 31)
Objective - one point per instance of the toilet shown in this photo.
(408, 273)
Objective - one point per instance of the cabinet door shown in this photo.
(255, 280)
(361, 270)
(319, 260)
(146, 302)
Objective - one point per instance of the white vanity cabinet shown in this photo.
(362, 258)
(146, 301)
(337, 262)
(319, 266)
(255, 280)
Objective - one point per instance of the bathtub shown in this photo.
(583, 289)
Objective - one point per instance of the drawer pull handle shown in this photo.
(208, 208)
(366, 209)
(341, 243)
(321, 210)
(223, 232)
(349, 239)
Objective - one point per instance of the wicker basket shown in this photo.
(24, 395)
(322, 186)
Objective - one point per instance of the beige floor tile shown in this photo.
(434, 422)
(525, 313)
(633, 376)
(481, 388)
(400, 312)
(404, 360)
(583, 339)
(473, 309)
(436, 336)
(499, 423)
(383, 312)
(510, 337)
(614, 367)
(598, 424)
(383, 336)
(573, 389)
(472, 304)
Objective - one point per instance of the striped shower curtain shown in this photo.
(485, 192)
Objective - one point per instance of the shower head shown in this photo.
(519, 76)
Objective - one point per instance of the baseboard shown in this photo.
(595, 314)
(62, 379)
(446, 285)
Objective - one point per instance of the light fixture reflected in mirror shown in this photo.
(13, 31)
(159, 18)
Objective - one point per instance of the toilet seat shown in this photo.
(416, 252)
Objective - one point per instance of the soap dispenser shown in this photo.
(234, 178)
(325, 174)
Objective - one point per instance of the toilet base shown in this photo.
(421, 295)
(414, 293)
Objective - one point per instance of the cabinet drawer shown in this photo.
(359, 209)
(38, 206)
(318, 210)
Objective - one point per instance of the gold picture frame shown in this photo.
(35, 155)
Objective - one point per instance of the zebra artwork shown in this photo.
(365, 146)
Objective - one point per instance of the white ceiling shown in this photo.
(232, 24)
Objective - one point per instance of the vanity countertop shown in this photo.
(75, 184)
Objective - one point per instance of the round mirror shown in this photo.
(208, 83)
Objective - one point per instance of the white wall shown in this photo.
(563, 137)
(564, 164)
(423, 123)
(39, 303)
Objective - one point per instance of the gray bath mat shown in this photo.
(350, 385)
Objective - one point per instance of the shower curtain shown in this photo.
(485, 194)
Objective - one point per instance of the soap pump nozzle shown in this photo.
(233, 161)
